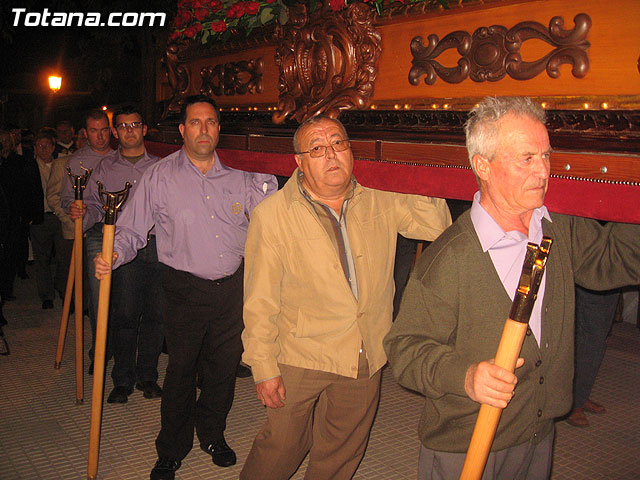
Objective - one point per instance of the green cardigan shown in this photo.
(453, 311)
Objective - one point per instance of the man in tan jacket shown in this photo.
(318, 302)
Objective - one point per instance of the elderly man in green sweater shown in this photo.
(459, 295)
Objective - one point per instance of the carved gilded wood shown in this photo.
(327, 63)
(232, 78)
(493, 52)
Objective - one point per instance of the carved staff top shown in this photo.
(532, 271)
(112, 201)
(79, 182)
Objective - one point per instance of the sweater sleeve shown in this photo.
(421, 343)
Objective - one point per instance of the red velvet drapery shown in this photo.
(604, 201)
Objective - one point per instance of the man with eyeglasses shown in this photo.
(135, 310)
(89, 156)
(318, 302)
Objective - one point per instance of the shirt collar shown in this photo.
(490, 233)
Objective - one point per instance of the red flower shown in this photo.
(191, 31)
(336, 5)
(251, 8)
(236, 10)
(201, 13)
(216, 5)
(218, 26)
(182, 18)
(271, 1)
(175, 35)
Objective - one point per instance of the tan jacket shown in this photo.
(54, 188)
(298, 308)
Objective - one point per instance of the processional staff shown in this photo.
(112, 201)
(509, 348)
(79, 183)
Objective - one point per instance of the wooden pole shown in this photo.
(99, 355)
(79, 317)
(112, 202)
(489, 417)
(509, 348)
(66, 305)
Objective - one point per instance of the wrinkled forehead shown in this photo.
(321, 131)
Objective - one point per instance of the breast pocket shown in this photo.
(233, 208)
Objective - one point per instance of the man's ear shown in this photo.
(181, 128)
(114, 132)
(299, 162)
(481, 166)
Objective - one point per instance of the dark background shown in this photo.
(99, 65)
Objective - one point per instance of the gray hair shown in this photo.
(481, 129)
(312, 121)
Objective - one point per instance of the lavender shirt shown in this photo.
(507, 251)
(85, 157)
(114, 171)
(200, 220)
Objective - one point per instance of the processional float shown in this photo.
(515, 329)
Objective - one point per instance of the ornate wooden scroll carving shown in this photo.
(493, 52)
(327, 63)
(178, 76)
(232, 78)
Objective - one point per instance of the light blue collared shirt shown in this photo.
(507, 251)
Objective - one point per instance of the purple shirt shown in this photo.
(507, 251)
(114, 171)
(85, 157)
(201, 220)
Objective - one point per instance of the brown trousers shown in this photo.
(327, 414)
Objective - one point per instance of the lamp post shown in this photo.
(55, 83)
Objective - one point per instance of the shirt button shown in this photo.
(212, 216)
(541, 380)
(208, 197)
(135, 181)
(546, 309)
(538, 363)
(217, 236)
(539, 413)
(220, 255)
(528, 332)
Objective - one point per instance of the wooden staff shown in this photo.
(79, 183)
(509, 348)
(66, 306)
(112, 202)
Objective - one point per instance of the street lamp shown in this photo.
(55, 83)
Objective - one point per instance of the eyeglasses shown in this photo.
(132, 125)
(321, 150)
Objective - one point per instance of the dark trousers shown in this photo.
(92, 244)
(136, 318)
(594, 316)
(202, 323)
(47, 241)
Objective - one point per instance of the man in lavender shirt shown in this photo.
(89, 156)
(200, 209)
(135, 314)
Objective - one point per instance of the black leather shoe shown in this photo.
(119, 395)
(47, 304)
(243, 371)
(165, 469)
(149, 389)
(221, 453)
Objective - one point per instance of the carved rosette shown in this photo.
(178, 76)
(327, 63)
(232, 78)
(493, 52)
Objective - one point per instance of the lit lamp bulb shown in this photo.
(55, 83)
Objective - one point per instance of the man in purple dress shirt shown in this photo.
(200, 211)
(135, 314)
(89, 156)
